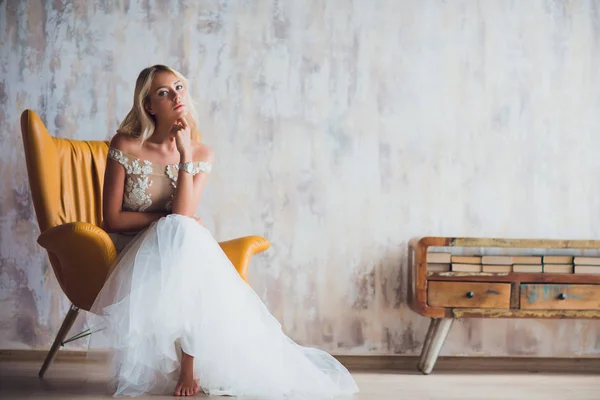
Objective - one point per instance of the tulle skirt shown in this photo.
(172, 289)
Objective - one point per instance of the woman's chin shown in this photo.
(181, 112)
(174, 115)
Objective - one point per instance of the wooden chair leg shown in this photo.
(436, 335)
(60, 336)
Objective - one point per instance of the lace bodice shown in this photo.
(149, 186)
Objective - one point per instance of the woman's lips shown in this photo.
(179, 106)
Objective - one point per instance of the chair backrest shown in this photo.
(65, 176)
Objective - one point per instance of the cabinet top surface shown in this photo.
(449, 241)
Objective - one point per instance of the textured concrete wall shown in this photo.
(341, 129)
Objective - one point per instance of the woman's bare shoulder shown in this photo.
(203, 153)
(125, 143)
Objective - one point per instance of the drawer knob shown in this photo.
(562, 296)
(470, 295)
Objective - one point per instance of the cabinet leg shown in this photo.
(433, 323)
(434, 340)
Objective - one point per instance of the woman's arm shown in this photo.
(115, 219)
(189, 188)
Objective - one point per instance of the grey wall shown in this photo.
(341, 130)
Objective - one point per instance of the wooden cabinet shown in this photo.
(444, 296)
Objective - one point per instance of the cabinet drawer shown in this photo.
(560, 297)
(468, 294)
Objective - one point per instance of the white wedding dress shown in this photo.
(172, 288)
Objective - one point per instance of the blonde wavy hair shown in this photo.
(139, 123)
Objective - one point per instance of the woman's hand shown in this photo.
(183, 141)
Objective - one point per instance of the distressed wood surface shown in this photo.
(525, 243)
(454, 294)
(513, 277)
(560, 297)
(509, 242)
(495, 313)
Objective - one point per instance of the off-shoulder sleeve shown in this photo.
(201, 166)
(118, 156)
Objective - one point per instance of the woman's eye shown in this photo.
(179, 87)
(162, 93)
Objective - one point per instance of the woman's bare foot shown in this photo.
(187, 385)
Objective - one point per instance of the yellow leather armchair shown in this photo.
(66, 178)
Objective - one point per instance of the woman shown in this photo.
(174, 310)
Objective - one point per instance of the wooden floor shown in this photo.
(75, 380)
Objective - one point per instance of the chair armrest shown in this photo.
(81, 255)
(240, 250)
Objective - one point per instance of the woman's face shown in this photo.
(167, 99)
